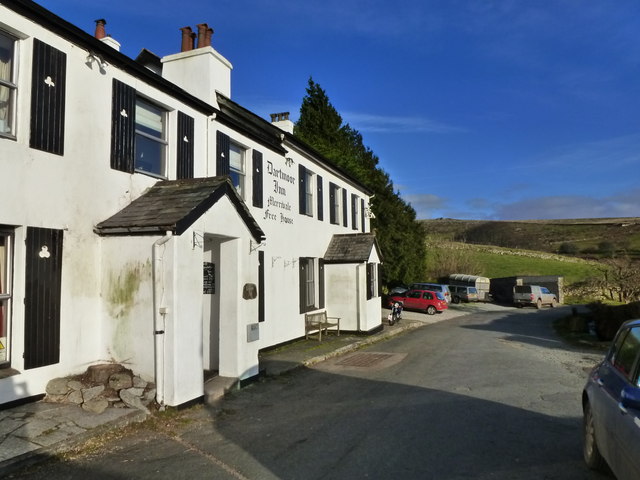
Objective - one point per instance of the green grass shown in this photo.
(495, 262)
(497, 266)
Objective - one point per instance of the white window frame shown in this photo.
(309, 188)
(355, 211)
(336, 206)
(237, 170)
(11, 85)
(310, 285)
(161, 140)
(374, 279)
(6, 256)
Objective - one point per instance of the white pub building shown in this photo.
(148, 220)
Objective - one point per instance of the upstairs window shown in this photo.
(306, 191)
(151, 141)
(8, 87)
(354, 212)
(334, 204)
(236, 167)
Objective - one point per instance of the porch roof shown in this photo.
(351, 248)
(174, 205)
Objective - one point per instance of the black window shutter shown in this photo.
(319, 187)
(354, 215)
(48, 85)
(43, 275)
(345, 209)
(257, 179)
(379, 279)
(185, 146)
(302, 192)
(303, 284)
(123, 127)
(260, 286)
(362, 215)
(332, 203)
(321, 283)
(370, 267)
(222, 153)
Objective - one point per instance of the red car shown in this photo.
(424, 300)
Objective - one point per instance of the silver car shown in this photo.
(533, 295)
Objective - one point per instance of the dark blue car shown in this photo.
(611, 406)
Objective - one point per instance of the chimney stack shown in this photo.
(101, 35)
(100, 32)
(197, 67)
(281, 120)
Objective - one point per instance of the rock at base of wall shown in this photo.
(119, 388)
(58, 386)
(97, 405)
(101, 373)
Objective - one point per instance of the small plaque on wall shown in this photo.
(253, 332)
(209, 278)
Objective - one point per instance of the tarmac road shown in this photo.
(491, 395)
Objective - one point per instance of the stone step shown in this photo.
(216, 387)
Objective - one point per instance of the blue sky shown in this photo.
(477, 109)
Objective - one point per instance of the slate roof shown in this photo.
(351, 248)
(174, 205)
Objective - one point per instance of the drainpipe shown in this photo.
(159, 312)
(358, 296)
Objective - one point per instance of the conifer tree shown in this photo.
(400, 236)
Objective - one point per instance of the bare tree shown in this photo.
(621, 279)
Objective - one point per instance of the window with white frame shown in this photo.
(236, 167)
(335, 204)
(311, 283)
(150, 156)
(8, 85)
(373, 287)
(5, 294)
(306, 187)
(309, 192)
(354, 211)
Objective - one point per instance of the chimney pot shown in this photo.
(208, 36)
(187, 39)
(100, 32)
(202, 34)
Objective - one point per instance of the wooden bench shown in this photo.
(319, 322)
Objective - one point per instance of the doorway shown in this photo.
(211, 306)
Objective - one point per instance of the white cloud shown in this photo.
(624, 204)
(364, 122)
(425, 205)
(615, 153)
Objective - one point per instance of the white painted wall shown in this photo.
(107, 283)
(201, 72)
